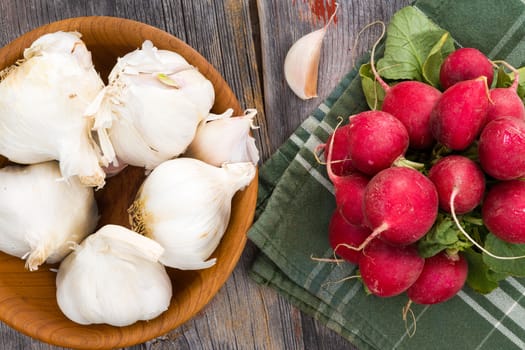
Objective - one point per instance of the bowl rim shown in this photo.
(121, 338)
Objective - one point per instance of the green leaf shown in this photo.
(443, 235)
(521, 83)
(503, 79)
(479, 277)
(438, 53)
(411, 36)
(514, 267)
(373, 91)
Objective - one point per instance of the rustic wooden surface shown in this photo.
(246, 40)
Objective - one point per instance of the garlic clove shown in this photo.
(301, 64)
(224, 139)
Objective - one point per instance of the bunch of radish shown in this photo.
(471, 140)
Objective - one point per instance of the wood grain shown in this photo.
(246, 41)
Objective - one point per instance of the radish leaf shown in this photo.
(496, 246)
(410, 40)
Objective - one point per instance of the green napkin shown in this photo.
(296, 201)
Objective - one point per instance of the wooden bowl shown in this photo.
(27, 299)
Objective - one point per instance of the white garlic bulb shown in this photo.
(40, 215)
(150, 109)
(42, 101)
(225, 139)
(185, 205)
(113, 277)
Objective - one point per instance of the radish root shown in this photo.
(406, 310)
(383, 227)
(331, 174)
(458, 224)
(330, 260)
(341, 280)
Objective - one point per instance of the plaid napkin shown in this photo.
(296, 201)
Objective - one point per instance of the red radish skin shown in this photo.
(441, 279)
(465, 64)
(376, 139)
(389, 270)
(460, 113)
(462, 174)
(349, 192)
(412, 102)
(341, 164)
(342, 233)
(505, 102)
(400, 205)
(503, 211)
(501, 148)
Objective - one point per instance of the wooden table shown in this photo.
(246, 40)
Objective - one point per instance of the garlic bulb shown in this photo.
(225, 140)
(42, 101)
(113, 277)
(301, 64)
(41, 216)
(185, 205)
(150, 109)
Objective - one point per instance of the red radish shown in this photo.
(505, 102)
(349, 196)
(376, 140)
(465, 64)
(341, 164)
(400, 205)
(460, 112)
(441, 279)
(461, 174)
(503, 211)
(501, 148)
(389, 270)
(342, 233)
(411, 102)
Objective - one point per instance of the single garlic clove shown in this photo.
(301, 65)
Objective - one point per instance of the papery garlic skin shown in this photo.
(185, 205)
(42, 102)
(41, 215)
(113, 277)
(150, 110)
(225, 140)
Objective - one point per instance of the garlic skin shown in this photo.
(225, 140)
(150, 110)
(185, 205)
(301, 64)
(42, 101)
(113, 277)
(41, 216)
